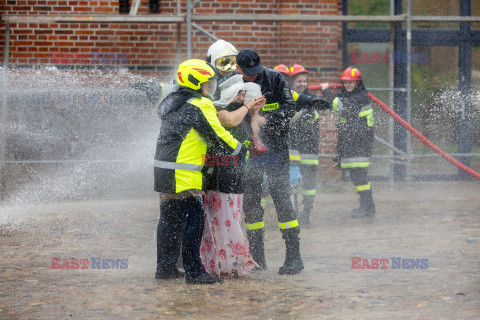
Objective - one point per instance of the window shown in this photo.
(124, 6)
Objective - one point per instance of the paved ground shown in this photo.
(438, 221)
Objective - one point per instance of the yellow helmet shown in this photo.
(192, 73)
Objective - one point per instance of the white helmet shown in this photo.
(223, 55)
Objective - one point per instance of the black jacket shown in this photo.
(189, 125)
(278, 110)
(355, 126)
(229, 177)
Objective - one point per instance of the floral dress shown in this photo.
(224, 251)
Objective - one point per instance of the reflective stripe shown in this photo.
(295, 95)
(337, 106)
(364, 187)
(164, 92)
(294, 158)
(359, 162)
(310, 192)
(294, 155)
(364, 113)
(271, 106)
(177, 166)
(288, 225)
(342, 120)
(265, 201)
(256, 225)
(246, 143)
(367, 111)
(309, 161)
(354, 165)
(237, 149)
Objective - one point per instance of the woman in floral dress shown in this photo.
(224, 250)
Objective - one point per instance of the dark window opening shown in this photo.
(124, 6)
(154, 6)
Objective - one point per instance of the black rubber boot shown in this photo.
(256, 246)
(293, 261)
(172, 273)
(202, 278)
(367, 206)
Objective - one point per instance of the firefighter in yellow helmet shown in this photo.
(189, 124)
(355, 135)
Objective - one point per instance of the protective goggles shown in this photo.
(227, 63)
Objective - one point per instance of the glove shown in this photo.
(307, 101)
(155, 91)
(257, 148)
(309, 116)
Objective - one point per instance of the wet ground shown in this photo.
(438, 221)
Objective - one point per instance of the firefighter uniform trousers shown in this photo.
(277, 173)
(306, 136)
(355, 145)
(169, 234)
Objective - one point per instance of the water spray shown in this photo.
(420, 136)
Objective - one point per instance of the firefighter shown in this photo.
(223, 56)
(274, 122)
(284, 70)
(189, 124)
(355, 135)
(305, 137)
(294, 155)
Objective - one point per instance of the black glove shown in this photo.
(155, 91)
(307, 101)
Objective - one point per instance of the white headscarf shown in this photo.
(230, 88)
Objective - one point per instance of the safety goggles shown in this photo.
(227, 63)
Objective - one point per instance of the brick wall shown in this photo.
(153, 47)
(315, 45)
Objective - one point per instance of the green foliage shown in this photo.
(369, 8)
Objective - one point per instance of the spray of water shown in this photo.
(73, 135)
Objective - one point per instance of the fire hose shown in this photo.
(422, 138)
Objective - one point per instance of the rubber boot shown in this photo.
(293, 261)
(202, 278)
(256, 247)
(367, 206)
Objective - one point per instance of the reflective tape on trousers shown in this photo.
(256, 225)
(288, 225)
(364, 187)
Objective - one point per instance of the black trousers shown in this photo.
(181, 222)
(309, 180)
(358, 176)
(278, 175)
